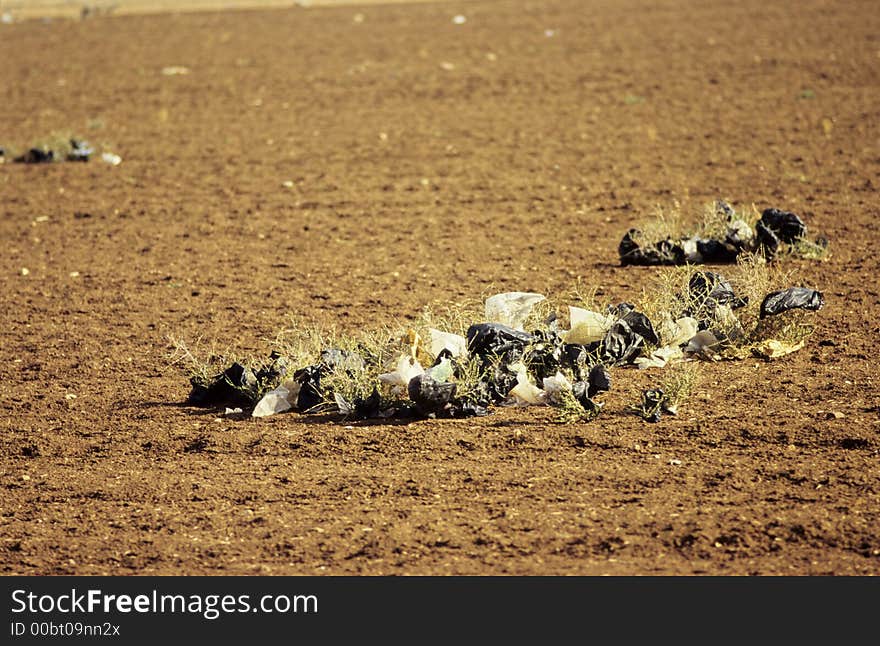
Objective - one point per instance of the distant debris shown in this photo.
(175, 70)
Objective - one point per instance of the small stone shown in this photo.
(25, 271)
(675, 463)
(834, 414)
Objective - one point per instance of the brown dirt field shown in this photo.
(535, 160)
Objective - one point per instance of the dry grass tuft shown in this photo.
(679, 382)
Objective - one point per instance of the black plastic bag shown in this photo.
(665, 252)
(272, 371)
(544, 355)
(641, 325)
(711, 290)
(716, 251)
(621, 345)
(36, 156)
(581, 392)
(653, 404)
(430, 397)
(792, 298)
(768, 241)
(787, 226)
(461, 408)
(495, 339)
(229, 388)
(580, 357)
(624, 341)
(497, 346)
(309, 380)
(599, 381)
(367, 407)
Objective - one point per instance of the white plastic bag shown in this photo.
(555, 386)
(525, 393)
(660, 357)
(274, 401)
(398, 379)
(587, 326)
(511, 308)
(677, 332)
(440, 341)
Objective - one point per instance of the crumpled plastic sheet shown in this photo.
(792, 298)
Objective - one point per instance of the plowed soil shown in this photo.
(426, 162)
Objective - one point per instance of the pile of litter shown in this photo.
(498, 363)
(774, 232)
(72, 150)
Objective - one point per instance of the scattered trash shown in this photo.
(774, 229)
(459, 20)
(306, 388)
(175, 70)
(233, 411)
(7, 18)
(71, 150)
(626, 338)
(678, 332)
(498, 362)
(663, 252)
(710, 290)
(792, 298)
